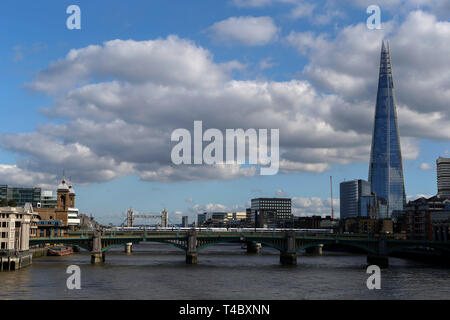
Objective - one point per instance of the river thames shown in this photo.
(157, 271)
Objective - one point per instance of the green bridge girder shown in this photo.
(275, 240)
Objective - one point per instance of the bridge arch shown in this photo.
(237, 241)
(340, 243)
(121, 243)
(115, 245)
(213, 243)
(271, 244)
(173, 244)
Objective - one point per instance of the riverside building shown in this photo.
(16, 226)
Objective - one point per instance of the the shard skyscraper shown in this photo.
(386, 169)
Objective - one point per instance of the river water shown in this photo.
(158, 271)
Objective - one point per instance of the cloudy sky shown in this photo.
(101, 103)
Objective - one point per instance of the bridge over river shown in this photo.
(288, 243)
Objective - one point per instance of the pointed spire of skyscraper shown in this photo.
(386, 168)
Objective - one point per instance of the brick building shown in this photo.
(428, 219)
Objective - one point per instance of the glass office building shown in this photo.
(352, 193)
(386, 169)
(20, 195)
(281, 206)
(3, 192)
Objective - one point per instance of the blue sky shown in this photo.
(314, 63)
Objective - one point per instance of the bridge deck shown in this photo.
(177, 235)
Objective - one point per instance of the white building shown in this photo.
(73, 219)
(17, 224)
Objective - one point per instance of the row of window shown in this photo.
(5, 224)
(6, 216)
(272, 202)
(263, 205)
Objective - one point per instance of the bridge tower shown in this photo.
(130, 218)
(164, 219)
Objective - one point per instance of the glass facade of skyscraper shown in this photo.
(351, 194)
(386, 169)
(282, 206)
(20, 195)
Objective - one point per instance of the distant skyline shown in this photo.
(101, 102)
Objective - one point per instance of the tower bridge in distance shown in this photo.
(132, 215)
(287, 242)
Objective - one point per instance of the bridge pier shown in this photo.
(289, 255)
(288, 258)
(191, 257)
(381, 258)
(191, 252)
(381, 261)
(253, 247)
(315, 250)
(97, 256)
(128, 247)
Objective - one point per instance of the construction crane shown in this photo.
(132, 215)
(331, 189)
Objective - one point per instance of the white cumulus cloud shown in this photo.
(251, 31)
